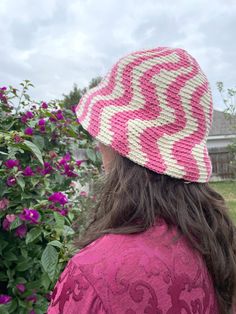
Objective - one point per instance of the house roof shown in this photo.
(221, 125)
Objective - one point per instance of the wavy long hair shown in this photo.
(130, 198)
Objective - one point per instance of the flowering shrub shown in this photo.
(39, 177)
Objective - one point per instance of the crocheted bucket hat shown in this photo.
(155, 108)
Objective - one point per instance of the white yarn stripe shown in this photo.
(119, 88)
(105, 82)
(198, 150)
(137, 101)
(191, 126)
(82, 102)
(166, 116)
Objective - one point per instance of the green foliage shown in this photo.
(40, 195)
(75, 95)
(229, 99)
(94, 82)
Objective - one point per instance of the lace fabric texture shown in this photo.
(155, 271)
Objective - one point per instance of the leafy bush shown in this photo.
(41, 195)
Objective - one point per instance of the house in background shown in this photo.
(222, 134)
(223, 131)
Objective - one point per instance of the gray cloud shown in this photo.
(55, 43)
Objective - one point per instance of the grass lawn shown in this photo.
(228, 191)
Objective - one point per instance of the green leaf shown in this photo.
(56, 243)
(21, 182)
(16, 223)
(9, 256)
(10, 125)
(32, 235)
(45, 281)
(35, 150)
(3, 244)
(39, 311)
(39, 141)
(23, 266)
(91, 154)
(33, 285)
(59, 178)
(3, 277)
(12, 306)
(60, 220)
(3, 309)
(68, 231)
(3, 153)
(49, 261)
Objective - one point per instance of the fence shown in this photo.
(223, 167)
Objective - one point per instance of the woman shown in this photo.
(159, 239)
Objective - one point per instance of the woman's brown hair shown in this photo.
(130, 198)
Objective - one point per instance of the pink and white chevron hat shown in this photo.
(155, 108)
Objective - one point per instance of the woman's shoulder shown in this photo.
(101, 248)
(114, 267)
(159, 242)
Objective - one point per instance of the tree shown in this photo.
(75, 95)
(229, 99)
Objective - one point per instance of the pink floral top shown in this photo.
(150, 272)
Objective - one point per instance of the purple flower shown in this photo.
(58, 197)
(4, 203)
(42, 129)
(47, 168)
(17, 138)
(32, 298)
(79, 162)
(59, 115)
(52, 154)
(48, 296)
(3, 98)
(29, 115)
(32, 312)
(64, 211)
(20, 287)
(11, 163)
(73, 108)
(30, 215)
(29, 131)
(28, 172)
(65, 159)
(83, 193)
(4, 299)
(44, 105)
(3, 88)
(53, 116)
(11, 181)
(8, 221)
(21, 231)
(24, 119)
(41, 122)
(68, 170)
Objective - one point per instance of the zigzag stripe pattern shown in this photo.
(154, 107)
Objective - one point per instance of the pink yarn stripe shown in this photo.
(108, 89)
(170, 128)
(145, 113)
(132, 83)
(120, 100)
(185, 156)
(103, 91)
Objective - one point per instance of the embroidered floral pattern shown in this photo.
(133, 275)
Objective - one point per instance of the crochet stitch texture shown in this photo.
(155, 108)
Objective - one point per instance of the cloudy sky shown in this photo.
(56, 43)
